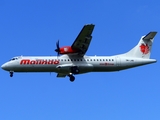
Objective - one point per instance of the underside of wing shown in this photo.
(83, 40)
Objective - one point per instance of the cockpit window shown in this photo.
(15, 58)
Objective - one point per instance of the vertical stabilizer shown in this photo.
(143, 48)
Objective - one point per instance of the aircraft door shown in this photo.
(118, 61)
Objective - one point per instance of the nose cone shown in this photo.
(4, 66)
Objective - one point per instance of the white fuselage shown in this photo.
(62, 64)
(73, 60)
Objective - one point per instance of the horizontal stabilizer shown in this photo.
(150, 36)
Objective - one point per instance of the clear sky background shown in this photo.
(32, 27)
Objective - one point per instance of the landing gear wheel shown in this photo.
(11, 74)
(72, 78)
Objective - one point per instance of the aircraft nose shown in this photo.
(4, 66)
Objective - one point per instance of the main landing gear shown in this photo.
(71, 78)
(74, 70)
(11, 73)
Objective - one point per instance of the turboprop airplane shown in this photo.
(71, 60)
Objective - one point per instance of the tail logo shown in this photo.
(144, 48)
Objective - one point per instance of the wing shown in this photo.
(83, 40)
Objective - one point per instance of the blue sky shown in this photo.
(32, 27)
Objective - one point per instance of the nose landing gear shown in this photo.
(11, 73)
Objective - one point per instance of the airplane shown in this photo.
(71, 60)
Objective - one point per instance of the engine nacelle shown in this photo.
(67, 50)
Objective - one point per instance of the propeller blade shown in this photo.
(57, 45)
(57, 48)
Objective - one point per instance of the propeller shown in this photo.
(58, 48)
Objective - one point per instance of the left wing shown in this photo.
(83, 40)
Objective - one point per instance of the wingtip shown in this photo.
(90, 24)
